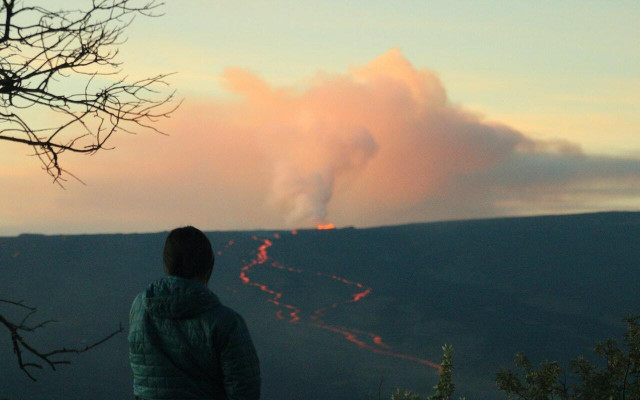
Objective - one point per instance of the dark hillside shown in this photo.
(333, 311)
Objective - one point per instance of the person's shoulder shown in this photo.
(224, 312)
(228, 325)
(225, 320)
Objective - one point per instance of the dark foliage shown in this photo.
(615, 377)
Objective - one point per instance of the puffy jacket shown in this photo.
(185, 344)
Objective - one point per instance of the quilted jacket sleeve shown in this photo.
(239, 362)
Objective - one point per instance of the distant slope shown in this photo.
(550, 286)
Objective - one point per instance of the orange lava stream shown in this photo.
(350, 334)
(260, 259)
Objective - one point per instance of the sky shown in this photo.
(360, 114)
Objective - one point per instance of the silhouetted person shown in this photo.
(183, 343)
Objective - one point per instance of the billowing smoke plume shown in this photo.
(307, 147)
(388, 123)
(303, 186)
(380, 144)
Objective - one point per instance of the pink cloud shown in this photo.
(379, 144)
(386, 127)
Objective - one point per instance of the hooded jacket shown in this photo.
(185, 344)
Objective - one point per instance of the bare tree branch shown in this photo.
(45, 54)
(21, 346)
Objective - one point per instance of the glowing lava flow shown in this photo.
(261, 258)
(352, 335)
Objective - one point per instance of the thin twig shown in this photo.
(20, 345)
(42, 48)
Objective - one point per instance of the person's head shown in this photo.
(188, 254)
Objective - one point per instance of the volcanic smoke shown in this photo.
(384, 134)
(378, 144)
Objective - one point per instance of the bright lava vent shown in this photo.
(326, 226)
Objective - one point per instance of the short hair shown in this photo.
(187, 253)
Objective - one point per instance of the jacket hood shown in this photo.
(177, 298)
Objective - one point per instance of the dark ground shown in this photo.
(549, 286)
